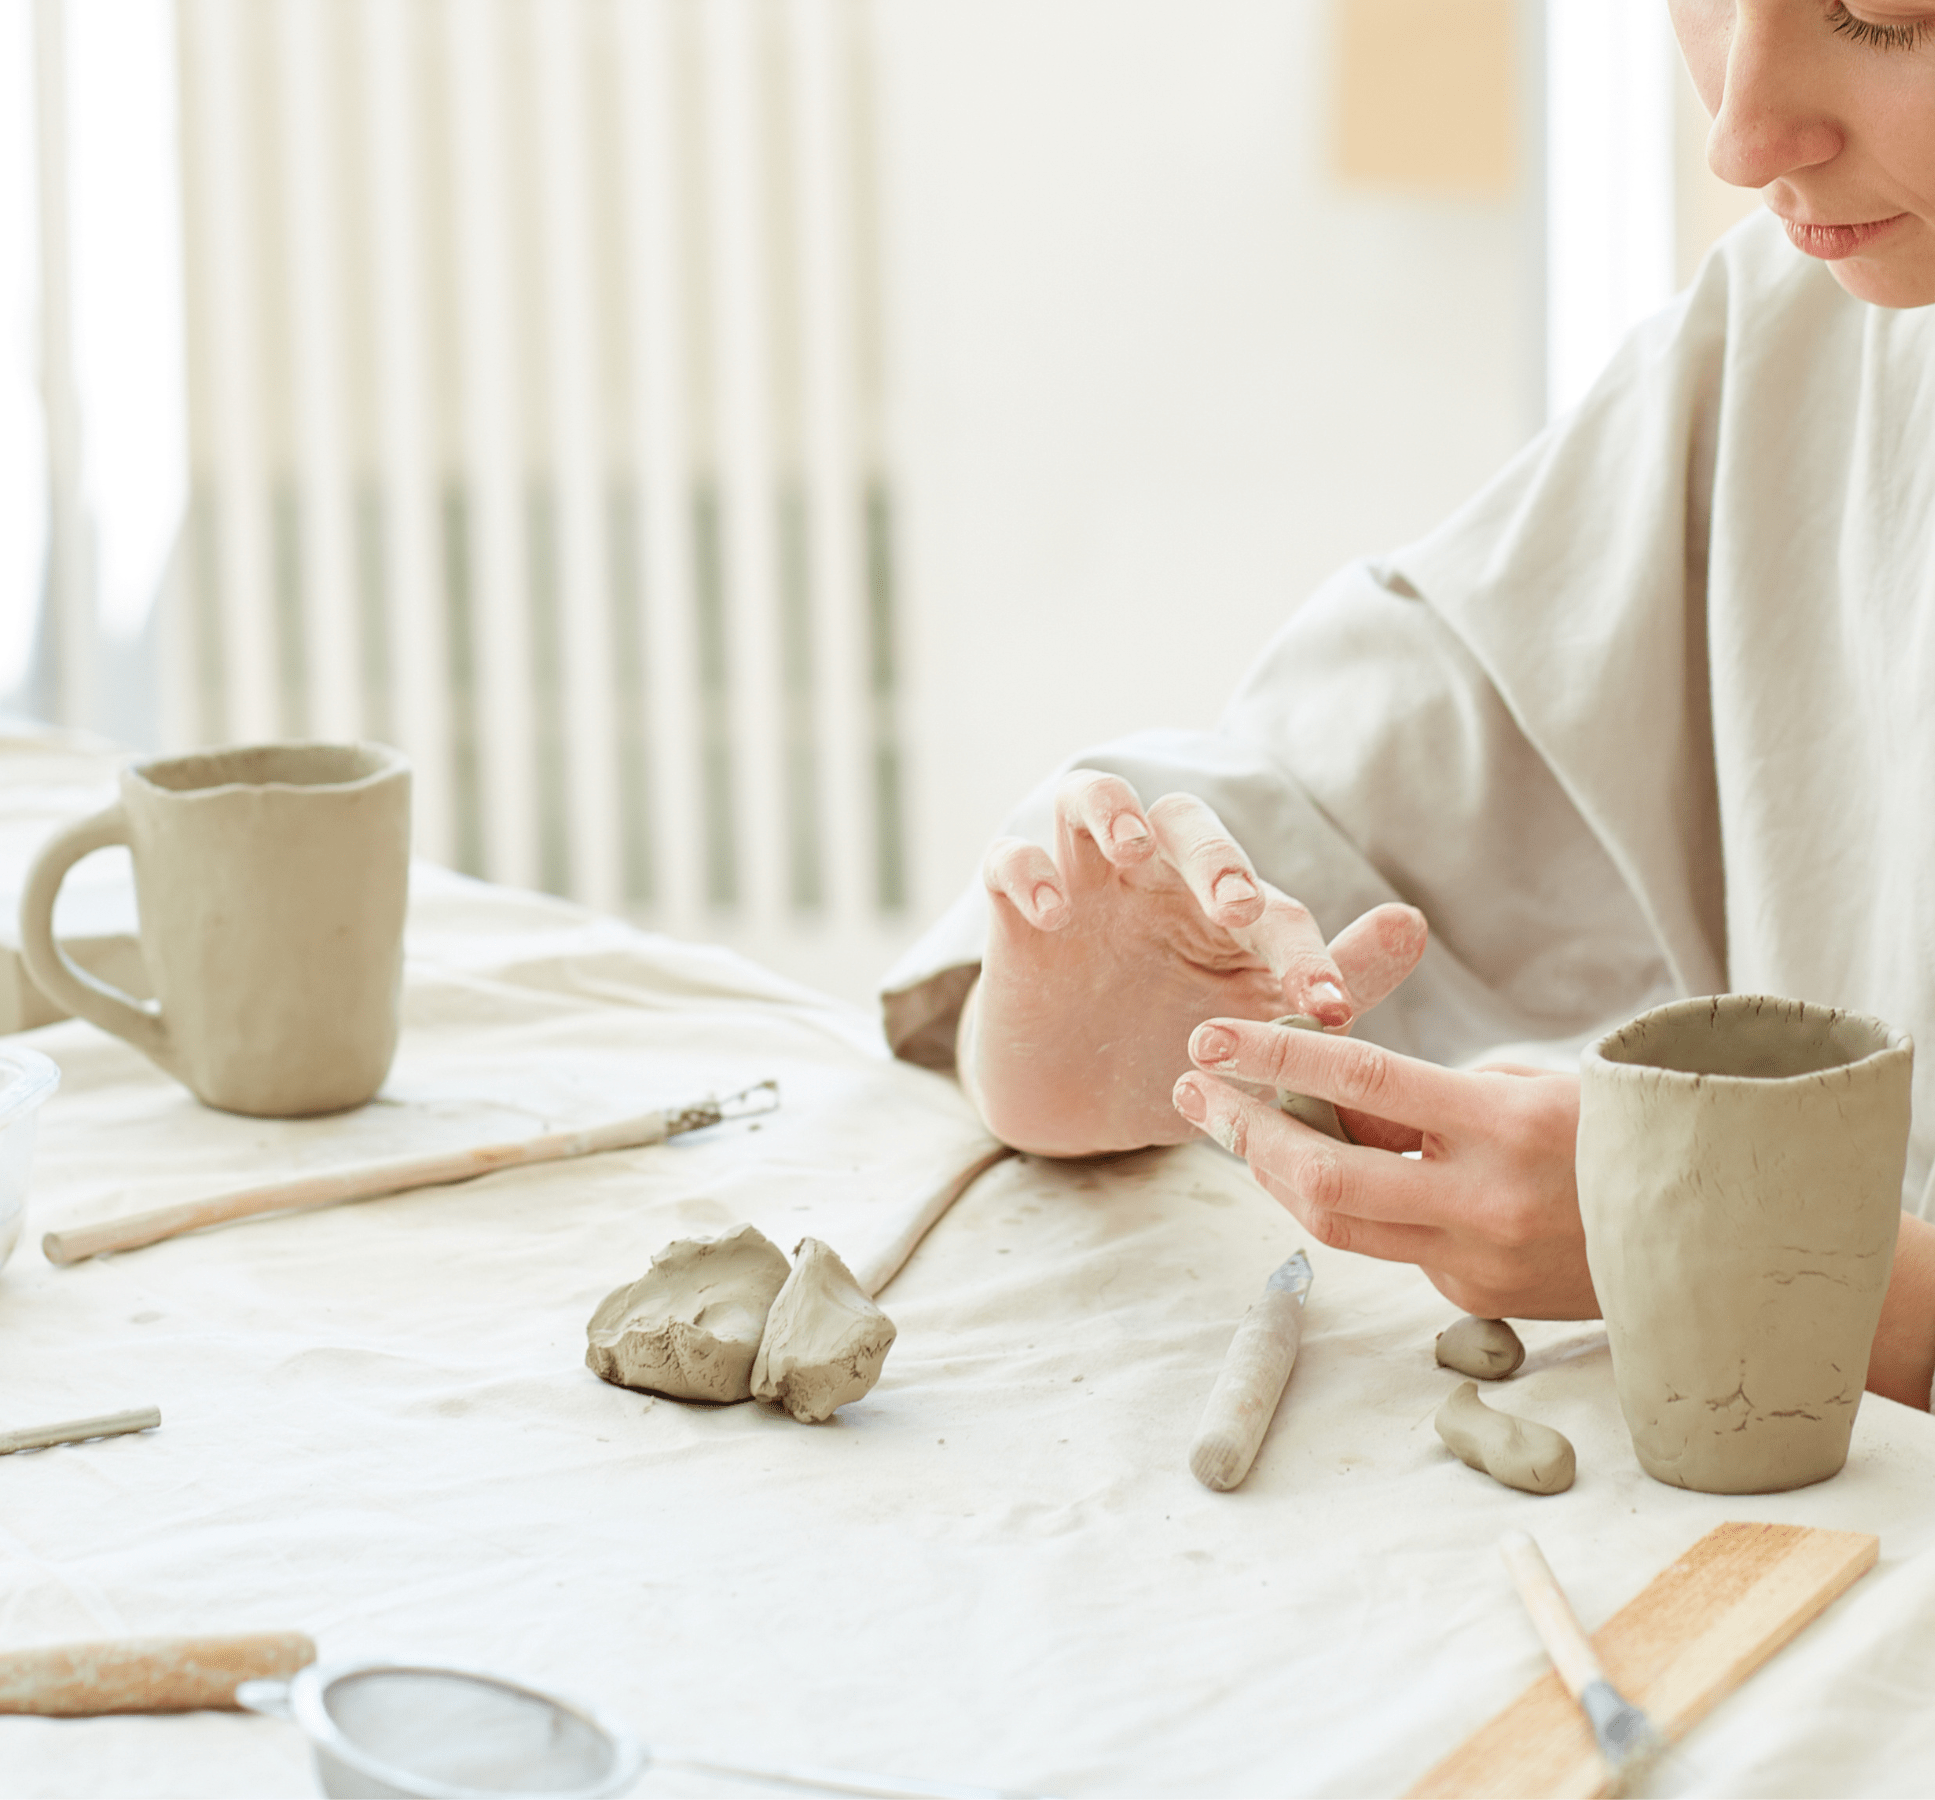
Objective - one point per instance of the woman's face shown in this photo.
(1830, 109)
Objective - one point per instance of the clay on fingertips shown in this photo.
(1517, 1452)
(1308, 1109)
(690, 1326)
(1485, 1349)
(825, 1339)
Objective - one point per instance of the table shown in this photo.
(378, 1428)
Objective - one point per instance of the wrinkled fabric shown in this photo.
(1653, 715)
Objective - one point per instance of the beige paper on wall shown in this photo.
(1426, 95)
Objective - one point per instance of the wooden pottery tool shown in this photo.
(146, 1675)
(1244, 1399)
(374, 1179)
(1691, 1636)
(1627, 1738)
(78, 1431)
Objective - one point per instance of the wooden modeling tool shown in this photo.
(397, 1177)
(1627, 1737)
(1692, 1635)
(146, 1675)
(78, 1431)
(1244, 1399)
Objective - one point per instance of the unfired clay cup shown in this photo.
(1740, 1165)
(271, 882)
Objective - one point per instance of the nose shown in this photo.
(1773, 117)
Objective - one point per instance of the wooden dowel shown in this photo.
(373, 1179)
(182, 1674)
(1557, 1624)
(78, 1431)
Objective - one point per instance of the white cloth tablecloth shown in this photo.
(379, 1429)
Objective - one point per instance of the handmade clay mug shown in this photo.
(271, 881)
(1740, 1165)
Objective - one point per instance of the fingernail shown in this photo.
(1232, 889)
(1047, 901)
(1329, 1003)
(1213, 1044)
(1128, 829)
(1190, 1101)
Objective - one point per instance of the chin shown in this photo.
(1897, 281)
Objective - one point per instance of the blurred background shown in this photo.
(738, 446)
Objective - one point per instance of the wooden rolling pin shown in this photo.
(1255, 1371)
(374, 1179)
(146, 1675)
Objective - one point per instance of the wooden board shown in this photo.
(1698, 1630)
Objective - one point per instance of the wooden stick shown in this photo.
(77, 1431)
(374, 1179)
(1698, 1629)
(1256, 1369)
(179, 1674)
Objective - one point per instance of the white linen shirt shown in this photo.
(1652, 715)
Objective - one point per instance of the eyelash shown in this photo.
(1882, 37)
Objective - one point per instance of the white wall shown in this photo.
(1158, 374)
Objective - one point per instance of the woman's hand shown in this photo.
(1104, 956)
(1489, 1210)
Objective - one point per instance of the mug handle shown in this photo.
(54, 972)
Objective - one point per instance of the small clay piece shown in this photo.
(825, 1339)
(1308, 1109)
(1485, 1349)
(1517, 1452)
(690, 1326)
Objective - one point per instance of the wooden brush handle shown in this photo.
(146, 1675)
(1557, 1624)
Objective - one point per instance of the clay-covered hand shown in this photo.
(1103, 957)
(1489, 1210)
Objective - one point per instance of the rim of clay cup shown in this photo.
(1894, 1040)
(390, 761)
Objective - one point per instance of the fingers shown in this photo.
(1288, 939)
(1210, 861)
(1024, 875)
(1098, 822)
(1376, 951)
(1348, 1198)
(1345, 1071)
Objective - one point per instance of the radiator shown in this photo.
(538, 424)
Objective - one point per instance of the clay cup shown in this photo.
(1740, 1164)
(271, 882)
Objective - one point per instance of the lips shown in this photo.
(1832, 242)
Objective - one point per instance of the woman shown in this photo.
(1654, 714)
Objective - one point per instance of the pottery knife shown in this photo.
(1244, 1399)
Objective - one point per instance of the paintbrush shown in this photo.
(374, 1179)
(1628, 1739)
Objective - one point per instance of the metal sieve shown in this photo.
(399, 1731)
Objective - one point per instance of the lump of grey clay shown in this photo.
(825, 1339)
(1309, 1109)
(1534, 1458)
(690, 1326)
(1486, 1349)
